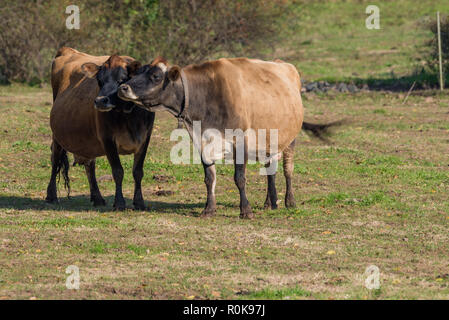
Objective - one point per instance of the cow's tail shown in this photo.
(321, 130)
(62, 166)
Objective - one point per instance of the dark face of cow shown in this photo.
(114, 72)
(154, 87)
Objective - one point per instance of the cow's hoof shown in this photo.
(139, 206)
(208, 213)
(52, 200)
(98, 202)
(267, 204)
(119, 207)
(246, 214)
(290, 203)
(290, 200)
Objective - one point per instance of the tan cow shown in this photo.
(225, 94)
(88, 120)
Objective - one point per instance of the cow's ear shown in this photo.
(174, 73)
(90, 69)
(132, 68)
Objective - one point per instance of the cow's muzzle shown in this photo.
(126, 93)
(103, 104)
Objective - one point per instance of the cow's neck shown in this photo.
(194, 104)
(185, 101)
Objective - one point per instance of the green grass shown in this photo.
(272, 294)
(99, 247)
(328, 40)
(376, 195)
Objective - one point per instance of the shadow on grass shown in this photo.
(423, 80)
(82, 203)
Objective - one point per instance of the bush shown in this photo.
(29, 37)
(432, 60)
(183, 31)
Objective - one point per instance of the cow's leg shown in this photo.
(288, 155)
(272, 197)
(95, 195)
(210, 179)
(58, 161)
(180, 123)
(139, 159)
(117, 173)
(240, 181)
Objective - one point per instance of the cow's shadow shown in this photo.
(82, 203)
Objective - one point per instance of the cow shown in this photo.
(88, 120)
(236, 93)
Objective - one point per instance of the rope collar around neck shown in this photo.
(185, 105)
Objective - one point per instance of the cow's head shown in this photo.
(115, 71)
(155, 87)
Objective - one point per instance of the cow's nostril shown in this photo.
(124, 87)
(101, 101)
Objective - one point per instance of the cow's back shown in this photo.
(73, 116)
(66, 69)
(257, 94)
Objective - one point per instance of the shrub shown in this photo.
(432, 60)
(29, 37)
(183, 31)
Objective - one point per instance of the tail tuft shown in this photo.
(321, 130)
(64, 165)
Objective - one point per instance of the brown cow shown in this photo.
(233, 94)
(88, 120)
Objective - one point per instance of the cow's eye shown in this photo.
(156, 77)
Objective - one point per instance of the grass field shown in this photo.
(328, 40)
(378, 195)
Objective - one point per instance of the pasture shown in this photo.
(378, 195)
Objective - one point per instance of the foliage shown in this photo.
(29, 37)
(433, 44)
(183, 31)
